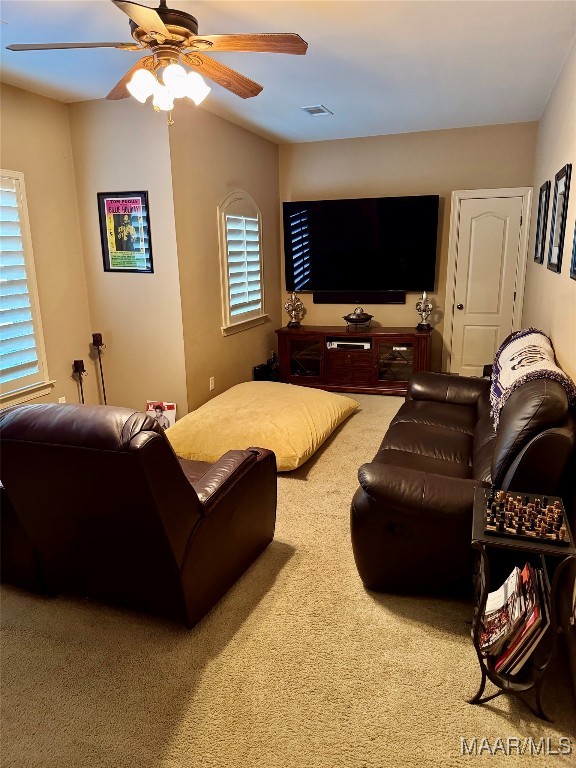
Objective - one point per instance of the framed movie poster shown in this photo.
(125, 231)
(573, 262)
(542, 221)
(559, 211)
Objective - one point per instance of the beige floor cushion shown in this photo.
(289, 420)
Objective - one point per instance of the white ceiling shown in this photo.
(381, 67)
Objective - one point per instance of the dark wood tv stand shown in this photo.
(373, 361)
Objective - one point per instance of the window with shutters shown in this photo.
(240, 226)
(23, 371)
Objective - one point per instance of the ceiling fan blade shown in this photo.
(228, 78)
(56, 46)
(259, 42)
(120, 91)
(144, 17)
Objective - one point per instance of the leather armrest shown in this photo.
(223, 476)
(539, 466)
(411, 491)
(446, 388)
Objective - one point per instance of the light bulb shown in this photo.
(174, 78)
(196, 88)
(142, 84)
(163, 98)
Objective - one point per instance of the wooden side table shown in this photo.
(514, 551)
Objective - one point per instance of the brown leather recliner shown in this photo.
(411, 518)
(96, 503)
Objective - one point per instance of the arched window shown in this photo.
(240, 233)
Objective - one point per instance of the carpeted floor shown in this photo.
(297, 667)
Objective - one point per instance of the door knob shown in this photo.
(459, 306)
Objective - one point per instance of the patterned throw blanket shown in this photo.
(525, 356)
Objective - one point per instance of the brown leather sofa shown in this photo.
(411, 517)
(96, 503)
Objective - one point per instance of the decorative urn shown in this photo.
(295, 308)
(358, 318)
(424, 308)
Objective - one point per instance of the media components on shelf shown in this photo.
(348, 345)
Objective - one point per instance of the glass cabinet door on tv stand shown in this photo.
(306, 360)
(394, 360)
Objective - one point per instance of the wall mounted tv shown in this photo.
(367, 247)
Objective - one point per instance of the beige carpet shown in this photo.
(297, 667)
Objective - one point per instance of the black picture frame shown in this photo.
(542, 222)
(124, 219)
(573, 262)
(558, 221)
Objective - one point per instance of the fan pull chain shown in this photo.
(170, 121)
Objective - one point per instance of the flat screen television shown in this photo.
(361, 245)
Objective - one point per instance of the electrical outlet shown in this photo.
(61, 399)
(211, 383)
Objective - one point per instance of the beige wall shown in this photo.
(435, 162)
(36, 141)
(163, 331)
(211, 157)
(123, 147)
(550, 299)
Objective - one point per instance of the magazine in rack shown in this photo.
(515, 619)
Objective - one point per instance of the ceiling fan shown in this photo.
(172, 36)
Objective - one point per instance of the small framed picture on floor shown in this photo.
(163, 412)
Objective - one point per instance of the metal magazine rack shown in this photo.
(496, 554)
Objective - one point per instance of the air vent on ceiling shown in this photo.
(317, 109)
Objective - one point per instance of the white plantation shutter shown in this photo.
(22, 362)
(240, 230)
(243, 247)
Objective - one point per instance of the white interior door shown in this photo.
(487, 258)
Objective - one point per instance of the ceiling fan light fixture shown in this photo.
(142, 85)
(196, 88)
(168, 34)
(174, 77)
(163, 99)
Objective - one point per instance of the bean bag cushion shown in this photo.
(292, 421)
